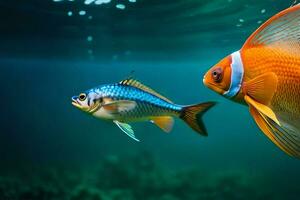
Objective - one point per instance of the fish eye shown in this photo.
(217, 75)
(82, 96)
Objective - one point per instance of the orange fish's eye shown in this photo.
(217, 74)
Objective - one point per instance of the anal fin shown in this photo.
(263, 125)
(279, 135)
(165, 123)
(126, 128)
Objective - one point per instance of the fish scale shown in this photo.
(147, 104)
(286, 98)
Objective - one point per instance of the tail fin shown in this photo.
(192, 116)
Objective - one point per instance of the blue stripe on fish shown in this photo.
(118, 91)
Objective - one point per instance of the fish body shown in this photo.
(265, 75)
(286, 67)
(139, 105)
(131, 101)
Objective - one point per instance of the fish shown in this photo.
(265, 76)
(131, 101)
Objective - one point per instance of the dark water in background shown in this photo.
(47, 56)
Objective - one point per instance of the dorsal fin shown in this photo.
(134, 83)
(281, 30)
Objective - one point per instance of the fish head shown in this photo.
(88, 101)
(218, 78)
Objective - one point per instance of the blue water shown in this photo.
(48, 56)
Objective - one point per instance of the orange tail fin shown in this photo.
(192, 116)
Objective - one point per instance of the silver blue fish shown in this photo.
(131, 101)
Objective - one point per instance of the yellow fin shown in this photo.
(137, 84)
(165, 123)
(262, 88)
(285, 140)
(262, 109)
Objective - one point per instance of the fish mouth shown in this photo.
(212, 86)
(206, 83)
(75, 102)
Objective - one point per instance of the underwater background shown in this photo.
(53, 49)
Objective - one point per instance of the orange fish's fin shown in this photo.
(263, 125)
(284, 139)
(281, 30)
(165, 123)
(137, 84)
(261, 108)
(288, 138)
(192, 115)
(119, 106)
(262, 88)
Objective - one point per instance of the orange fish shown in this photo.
(265, 75)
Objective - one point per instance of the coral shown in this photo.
(130, 178)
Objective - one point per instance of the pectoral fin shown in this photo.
(262, 88)
(259, 93)
(165, 123)
(119, 106)
(126, 128)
